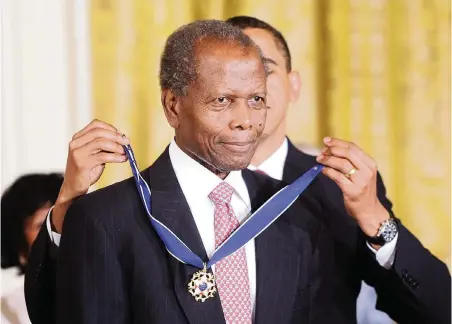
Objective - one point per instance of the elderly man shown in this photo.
(215, 106)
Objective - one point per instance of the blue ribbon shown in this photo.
(248, 230)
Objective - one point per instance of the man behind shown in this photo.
(278, 157)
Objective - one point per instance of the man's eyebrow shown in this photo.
(269, 60)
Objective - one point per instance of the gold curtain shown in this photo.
(376, 72)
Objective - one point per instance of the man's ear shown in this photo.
(295, 85)
(170, 103)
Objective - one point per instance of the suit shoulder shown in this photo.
(114, 199)
(113, 194)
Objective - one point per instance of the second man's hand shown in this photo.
(90, 149)
(355, 173)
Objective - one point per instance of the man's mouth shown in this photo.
(239, 146)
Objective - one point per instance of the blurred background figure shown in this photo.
(24, 207)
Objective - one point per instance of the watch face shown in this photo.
(388, 230)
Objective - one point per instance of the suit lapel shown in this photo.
(277, 259)
(171, 208)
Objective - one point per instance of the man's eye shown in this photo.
(221, 100)
(258, 99)
(257, 102)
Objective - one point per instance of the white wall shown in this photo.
(45, 83)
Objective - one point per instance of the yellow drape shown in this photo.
(374, 71)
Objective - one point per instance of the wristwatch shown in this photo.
(386, 233)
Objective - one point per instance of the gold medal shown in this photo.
(202, 285)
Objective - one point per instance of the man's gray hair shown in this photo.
(178, 61)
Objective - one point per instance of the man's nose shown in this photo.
(241, 115)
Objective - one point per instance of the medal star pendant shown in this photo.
(202, 285)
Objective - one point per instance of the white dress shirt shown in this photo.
(273, 166)
(54, 236)
(197, 183)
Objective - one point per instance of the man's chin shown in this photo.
(234, 157)
(239, 167)
(235, 165)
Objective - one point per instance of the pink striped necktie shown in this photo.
(231, 273)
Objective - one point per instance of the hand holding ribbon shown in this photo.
(356, 175)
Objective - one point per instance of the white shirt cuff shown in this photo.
(386, 254)
(54, 237)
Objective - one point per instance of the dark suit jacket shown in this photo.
(113, 268)
(416, 290)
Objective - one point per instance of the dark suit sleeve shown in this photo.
(417, 289)
(40, 279)
(90, 287)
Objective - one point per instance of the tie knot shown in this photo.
(222, 194)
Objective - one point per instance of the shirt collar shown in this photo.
(197, 181)
(273, 166)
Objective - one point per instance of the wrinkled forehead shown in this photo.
(230, 66)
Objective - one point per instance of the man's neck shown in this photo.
(219, 173)
(267, 146)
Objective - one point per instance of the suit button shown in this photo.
(415, 285)
(404, 273)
